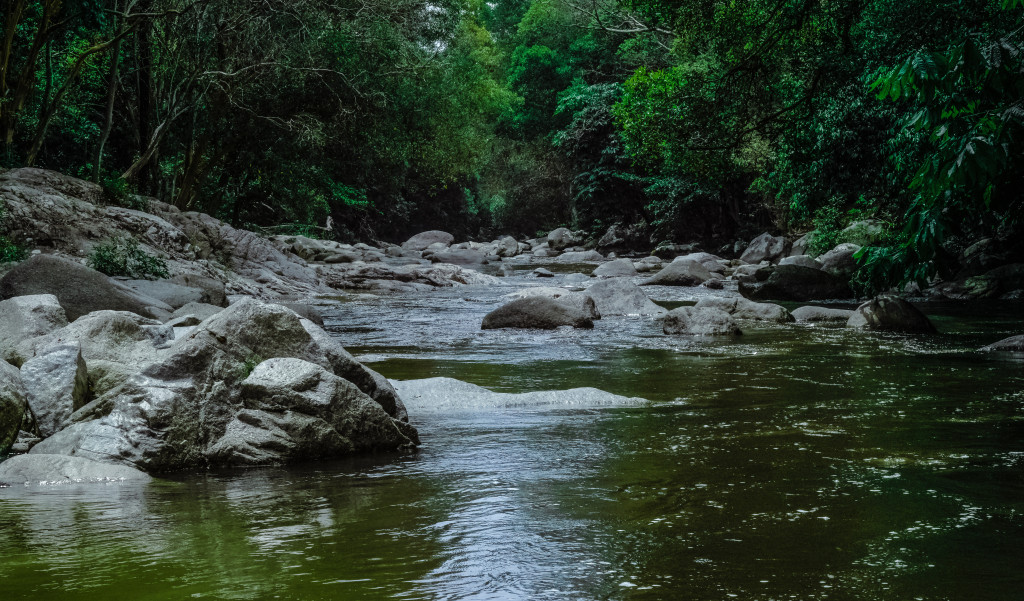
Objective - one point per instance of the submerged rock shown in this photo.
(446, 394)
(537, 312)
(1012, 344)
(822, 314)
(580, 300)
(706, 321)
(890, 313)
(741, 308)
(40, 469)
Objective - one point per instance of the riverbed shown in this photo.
(794, 462)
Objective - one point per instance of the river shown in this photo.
(794, 462)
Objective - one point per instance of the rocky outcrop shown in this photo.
(56, 384)
(620, 296)
(435, 395)
(821, 314)
(194, 405)
(888, 313)
(741, 308)
(615, 269)
(41, 470)
(793, 283)
(706, 321)
(13, 404)
(766, 248)
(25, 317)
(1013, 344)
(78, 289)
(679, 273)
(423, 240)
(537, 312)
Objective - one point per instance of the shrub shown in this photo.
(123, 257)
(117, 192)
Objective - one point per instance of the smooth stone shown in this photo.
(537, 312)
(890, 313)
(706, 321)
(41, 469)
(620, 296)
(679, 273)
(821, 314)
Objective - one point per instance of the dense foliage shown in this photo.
(684, 119)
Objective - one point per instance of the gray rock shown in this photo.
(174, 295)
(620, 296)
(802, 245)
(801, 260)
(890, 313)
(579, 300)
(576, 278)
(79, 290)
(200, 310)
(707, 321)
(296, 410)
(561, 239)
(821, 314)
(305, 311)
(543, 251)
(766, 248)
(24, 317)
(506, 247)
(741, 308)
(712, 263)
(56, 384)
(537, 312)
(39, 469)
(543, 273)
(1012, 344)
(681, 273)
(465, 257)
(668, 250)
(792, 282)
(580, 256)
(839, 261)
(213, 291)
(423, 240)
(13, 405)
(445, 395)
(616, 268)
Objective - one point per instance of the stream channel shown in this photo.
(794, 462)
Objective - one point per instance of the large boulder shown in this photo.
(802, 261)
(706, 321)
(56, 384)
(506, 246)
(24, 317)
(37, 469)
(812, 314)
(802, 245)
(1013, 344)
(794, 283)
(423, 240)
(712, 263)
(615, 269)
(175, 412)
(562, 238)
(295, 410)
(620, 296)
(741, 308)
(890, 313)
(580, 300)
(839, 261)
(465, 257)
(580, 256)
(13, 404)
(679, 273)
(766, 248)
(79, 289)
(537, 312)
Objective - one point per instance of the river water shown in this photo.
(795, 462)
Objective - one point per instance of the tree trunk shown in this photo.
(108, 121)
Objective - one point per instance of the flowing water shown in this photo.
(795, 462)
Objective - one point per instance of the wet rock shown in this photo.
(543, 251)
(25, 317)
(543, 273)
(445, 394)
(506, 246)
(766, 248)
(562, 238)
(616, 268)
(1012, 344)
(801, 260)
(741, 308)
(579, 300)
(56, 384)
(707, 321)
(305, 311)
(839, 261)
(40, 469)
(423, 240)
(78, 289)
(679, 273)
(669, 251)
(620, 296)
(890, 313)
(792, 282)
(822, 314)
(581, 256)
(13, 404)
(537, 312)
(465, 257)
(712, 263)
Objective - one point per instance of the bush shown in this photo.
(123, 257)
(117, 192)
(10, 251)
